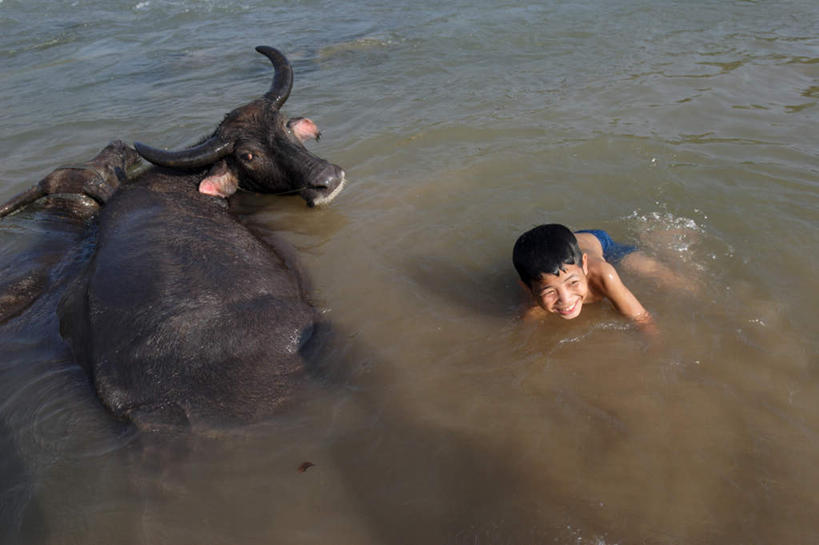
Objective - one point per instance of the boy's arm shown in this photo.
(624, 301)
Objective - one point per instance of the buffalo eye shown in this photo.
(247, 156)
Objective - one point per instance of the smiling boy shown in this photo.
(564, 271)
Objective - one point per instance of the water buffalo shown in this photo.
(182, 316)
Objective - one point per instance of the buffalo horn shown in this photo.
(206, 153)
(283, 78)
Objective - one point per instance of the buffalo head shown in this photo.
(259, 149)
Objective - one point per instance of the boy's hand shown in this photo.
(646, 324)
(533, 313)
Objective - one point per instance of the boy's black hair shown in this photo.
(545, 249)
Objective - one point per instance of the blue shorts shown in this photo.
(613, 252)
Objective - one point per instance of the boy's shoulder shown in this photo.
(602, 275)
(597, 263)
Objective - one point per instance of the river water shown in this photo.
(687, 127)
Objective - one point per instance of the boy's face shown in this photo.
(563, 294)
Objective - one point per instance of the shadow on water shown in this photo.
(418, 479)
(19, 510)
(48, 412)
(35, 242)
(490, 290)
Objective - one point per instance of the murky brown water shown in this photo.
(689, 128)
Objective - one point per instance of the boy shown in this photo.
(564, 270)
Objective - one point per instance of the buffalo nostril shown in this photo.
(329, 177)
(336, 175)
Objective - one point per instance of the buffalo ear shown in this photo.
(304, 129)
(220, 181)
